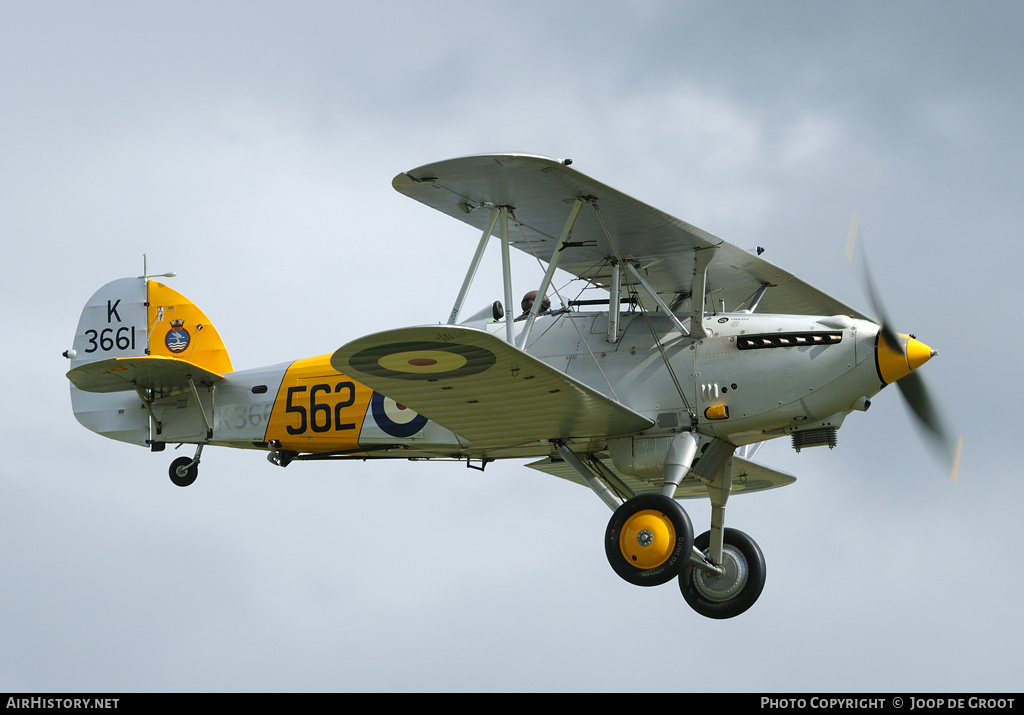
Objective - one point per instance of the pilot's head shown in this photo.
(532, 296)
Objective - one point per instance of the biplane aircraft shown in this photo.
(658, 392)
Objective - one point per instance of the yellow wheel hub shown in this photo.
(647, 539)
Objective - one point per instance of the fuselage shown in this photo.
(752, 378)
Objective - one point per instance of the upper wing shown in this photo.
(486, 391)
(540, 192)
(164, 376)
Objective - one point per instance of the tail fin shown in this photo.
(135, 317)
(132, 317)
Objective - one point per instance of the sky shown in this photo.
(249, 146)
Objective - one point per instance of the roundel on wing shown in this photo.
(395, 419)
(422, 360)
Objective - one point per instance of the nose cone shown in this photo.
(895, 363)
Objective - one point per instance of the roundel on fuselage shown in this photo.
(395, 419)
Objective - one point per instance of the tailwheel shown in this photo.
(648, 540)
(729, 594)
(183, 471)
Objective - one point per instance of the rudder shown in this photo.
(180, 329)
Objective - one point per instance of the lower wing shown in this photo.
(488, 392)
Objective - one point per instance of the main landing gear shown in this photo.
(649, 539)
(649, 542)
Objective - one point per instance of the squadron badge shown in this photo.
(177, 339)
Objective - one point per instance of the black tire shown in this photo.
(711, 596)
(663, 525)
(190, 475)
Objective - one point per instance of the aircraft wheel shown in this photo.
(181, 474)
(648, 540)
(732, 593)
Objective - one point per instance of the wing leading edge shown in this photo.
(486, 391)
(539, 192)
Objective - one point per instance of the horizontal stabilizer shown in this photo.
(162, 376)
(747, 476)
(486, 391)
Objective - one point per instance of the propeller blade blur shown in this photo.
(888, 334)
(917, 396)
(912, 385)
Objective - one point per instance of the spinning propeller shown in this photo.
(899, 356)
